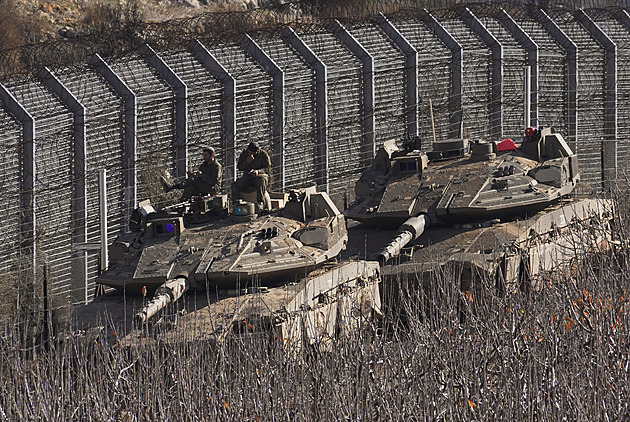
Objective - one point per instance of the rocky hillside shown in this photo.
(34, 21)
(120, 24)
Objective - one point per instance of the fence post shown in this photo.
(27, 183)
(180, 142)
(103, 227)
(527, 97)
(411, 72)
(496, 104)
(79, 185)
(532, 50)
(321, 104)
(368, 146)
(212, 65)
(457, 67)
(572, 62)
(609, 148)
(277, 75)
(130, 174)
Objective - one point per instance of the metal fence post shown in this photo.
(27, 183)
(130, 174)
(180, 142)
(212, 65)
(321, 104)
(457, 67)
(572, 61)
(609, 149)
(277, 75)
(496, 105)
(623, 16)
(79, 190)
(411, 72)
(102, 213)
(532, 50)
(368, 146)
(527, 97)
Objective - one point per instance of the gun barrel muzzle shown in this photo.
(410, 230)
(169, 292)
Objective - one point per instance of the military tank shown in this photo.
(484, 207)
(280, 262)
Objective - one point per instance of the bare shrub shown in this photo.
(480, 354)
(119, 27)
(11, 23)
(99, 16)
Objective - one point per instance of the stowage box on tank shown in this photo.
(199, 246)
(483, 205)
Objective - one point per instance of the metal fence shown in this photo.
(320, 97)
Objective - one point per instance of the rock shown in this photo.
(192, 3)
(68, 32)
(46, 7)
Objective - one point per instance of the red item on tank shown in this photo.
(506, 145)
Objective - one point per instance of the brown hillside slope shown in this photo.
(35, 21)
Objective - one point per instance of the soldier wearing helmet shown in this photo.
(254, 162)
(205, 181)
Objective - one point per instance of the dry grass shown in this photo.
(59, 33)
(17, 28)
(557, 353)
(98, 16)
(12, 33)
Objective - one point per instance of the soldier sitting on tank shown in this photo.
(531, 134)
(254, 163)
(205, 181)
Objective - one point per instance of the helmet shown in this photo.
(530, 132)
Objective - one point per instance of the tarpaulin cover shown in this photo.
(506, 145)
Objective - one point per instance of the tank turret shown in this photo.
(198, 245)
(462, 182)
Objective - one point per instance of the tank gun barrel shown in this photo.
(408, 231)
(169, 292)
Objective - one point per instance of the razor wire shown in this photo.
(308, 16)
(254, 107)
(434, 91)
(618, 33)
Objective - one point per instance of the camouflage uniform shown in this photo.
(207, 183)
(249, 181)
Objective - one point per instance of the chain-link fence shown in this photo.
(319, 94)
